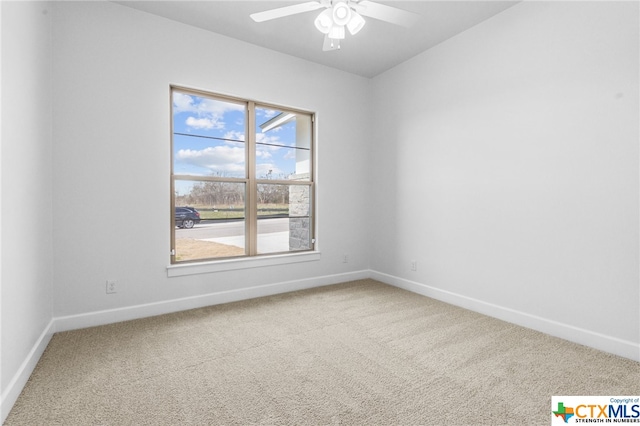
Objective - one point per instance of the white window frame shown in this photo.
(251, 258)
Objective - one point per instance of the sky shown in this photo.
(209, 139)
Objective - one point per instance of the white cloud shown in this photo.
(210, 106)
(263, 138)
(182, 103)
(263, 169)
(267, 113)
(260, 153)
(205, 106)
(204, 123)
(264, 151)
(207, 113)
(217, 159)
(235, 135)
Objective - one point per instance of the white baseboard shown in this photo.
(72, 322)
(92, 319)
(19, 380)
(571, 333)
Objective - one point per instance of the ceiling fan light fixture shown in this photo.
(337, 32)
(355, 23)
(341, 13)
(324, 21)
(338, 14)
(330, 44)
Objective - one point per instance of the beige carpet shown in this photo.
(359, 353)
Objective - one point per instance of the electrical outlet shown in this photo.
(111, 287)
(414, 265)
(345, 258)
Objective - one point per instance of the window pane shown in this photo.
(223, 177)
(209, 136)
(284, 222)
(283, 145)
(209, 219)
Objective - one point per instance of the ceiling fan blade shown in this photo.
(285, 11)
(385, 13)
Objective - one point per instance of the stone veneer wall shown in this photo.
(299, 215)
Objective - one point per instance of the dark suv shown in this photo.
(186, 217)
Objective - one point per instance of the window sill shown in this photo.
(241, 263)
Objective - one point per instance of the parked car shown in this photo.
(186, 217)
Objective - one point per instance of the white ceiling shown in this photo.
(377, 48)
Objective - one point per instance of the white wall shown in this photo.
(507, 162)
(26, 226)
(504, 161)
(112, 69)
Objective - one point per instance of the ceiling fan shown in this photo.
(338, 14)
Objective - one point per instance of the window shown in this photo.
(241, 178)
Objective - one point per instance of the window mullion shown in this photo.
(252, 189)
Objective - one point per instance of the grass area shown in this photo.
(190, 249)
(220, 214)
(237, 212)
